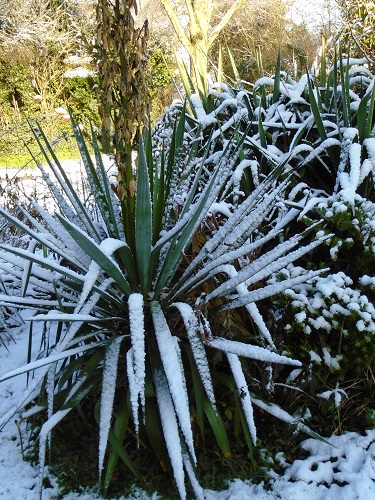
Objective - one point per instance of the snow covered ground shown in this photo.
(344, 469)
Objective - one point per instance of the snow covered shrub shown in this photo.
(330, 322)
(152, 328)
(321, 129)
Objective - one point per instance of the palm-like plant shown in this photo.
(134, 304)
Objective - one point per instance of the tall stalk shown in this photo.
(125, 99)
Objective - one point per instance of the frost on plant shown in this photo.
(162, 302)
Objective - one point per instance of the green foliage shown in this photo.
(161, 84)
(79, 95)
(320, 128)
(140, 289)
(16, 93)
(356, 35)
(158, 292)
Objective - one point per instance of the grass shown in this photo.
(66, 149)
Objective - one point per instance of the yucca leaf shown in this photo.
(171, 430)
(48, 360)
(281, 414)
(89, 377)
(155, 432)
(269, 290)
(94, 250)
(269, 263)
(123, 454)
(119, 431)
(345, 92)
(245, 429)
(63, 180)
(107, 396)
(27, 268)
(104, 196)
(185, 78)
(74, 366)
(315, 110)
(143, 226)
(136, 367)
(117, 447)
(54, 245)
(250, 351)
(234, 66)
(197, 348)
(262, 133)
(370, 114)
(199, 393)
(276, 85)
(218, 428)
(361, 117)
(241, 383)
(159, 195)
(174, 373)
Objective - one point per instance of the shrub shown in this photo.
(153, 326)
(321, 129)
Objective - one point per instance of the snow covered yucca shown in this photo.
(142, 318)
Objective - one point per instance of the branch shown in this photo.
(225, 20)
(192, 17)
(179, 29)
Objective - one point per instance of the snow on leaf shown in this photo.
(250, 351)
(267, 264)
(89, 282)
(197, 348)
(107, 396)
(50, 389)
(270, 290)
(44, 434)
(200, 113)
(259, 321)
(39, 363)
(198, 491)
(63, 242)
(283, 415)
(136, 355)
(337, 394)
(59, 316)
(252, 309)
(173, 371)
(170, 429)
(239, 377)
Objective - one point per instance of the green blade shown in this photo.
(143, 227)
(97, 255)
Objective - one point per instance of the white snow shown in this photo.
(174, 373)
(250, 351)
(108, 396)
(136, 355)
(239, 377)
(170, 427)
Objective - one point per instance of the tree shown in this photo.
(39, 35)
(197, 35)
(256, 33)
(357, 34)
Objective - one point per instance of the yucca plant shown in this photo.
(134, 321)
(321, 128)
